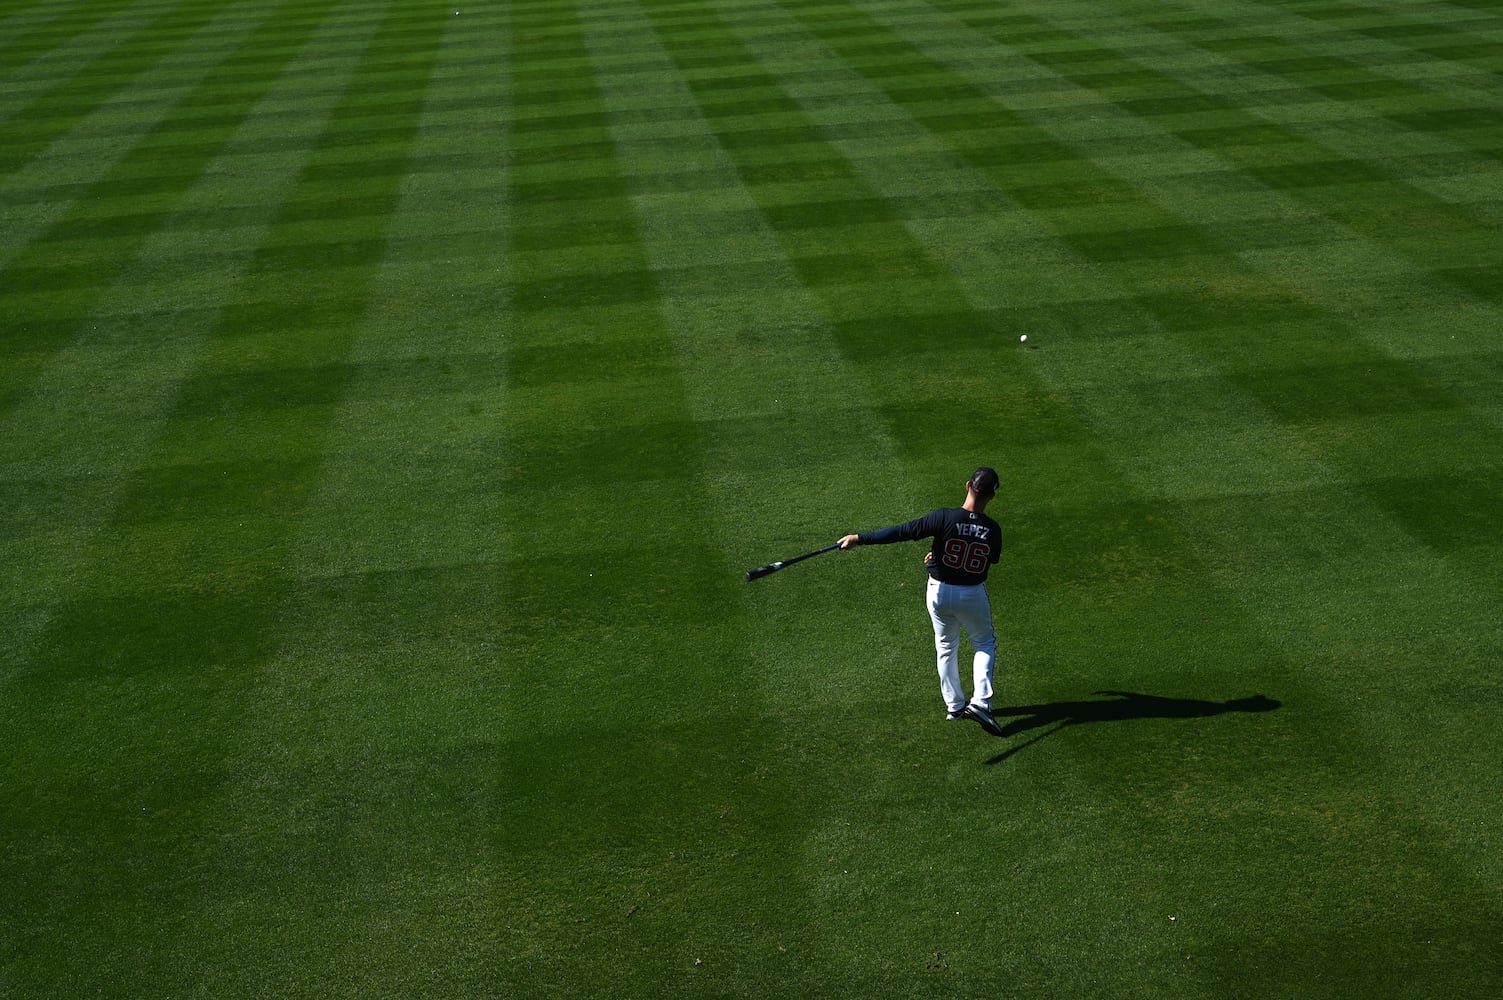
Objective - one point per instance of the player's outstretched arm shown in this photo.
(849, 541)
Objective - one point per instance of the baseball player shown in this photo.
(966, 545)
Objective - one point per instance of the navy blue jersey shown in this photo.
(966, 544)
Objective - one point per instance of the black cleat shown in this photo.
(958, 716)
(984, 717)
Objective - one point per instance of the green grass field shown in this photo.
(393, 395)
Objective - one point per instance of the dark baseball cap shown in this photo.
(984, 480)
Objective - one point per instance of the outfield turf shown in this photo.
(392, 396)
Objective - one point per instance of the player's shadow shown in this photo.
(1127, 705)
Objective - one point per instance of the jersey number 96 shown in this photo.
(969, 557)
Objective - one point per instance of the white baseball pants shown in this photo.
(954, 609)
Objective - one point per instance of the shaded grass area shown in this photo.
(394, 397)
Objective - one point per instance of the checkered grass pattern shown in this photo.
(392, 395)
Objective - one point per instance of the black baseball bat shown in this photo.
(761, 571)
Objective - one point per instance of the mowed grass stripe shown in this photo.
(30, 32)
(1321, 272)
(86, 235)
(823, 205)
(782, 415)
(851, 245)
(87, 33)
(113, 573)
(174, 614)
(43, 179)
(95, 410)
(1240, 143)
(1032, 167)
(644, 811)
(1133, 252)
(1343, 576)
(1307, 394)
(1430, 136)
(109, 68)
(171, 342)
(718, 263)
(1371, 395)
(35, 11)
(1410, 25)
(1375, 391)
(379, 710)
